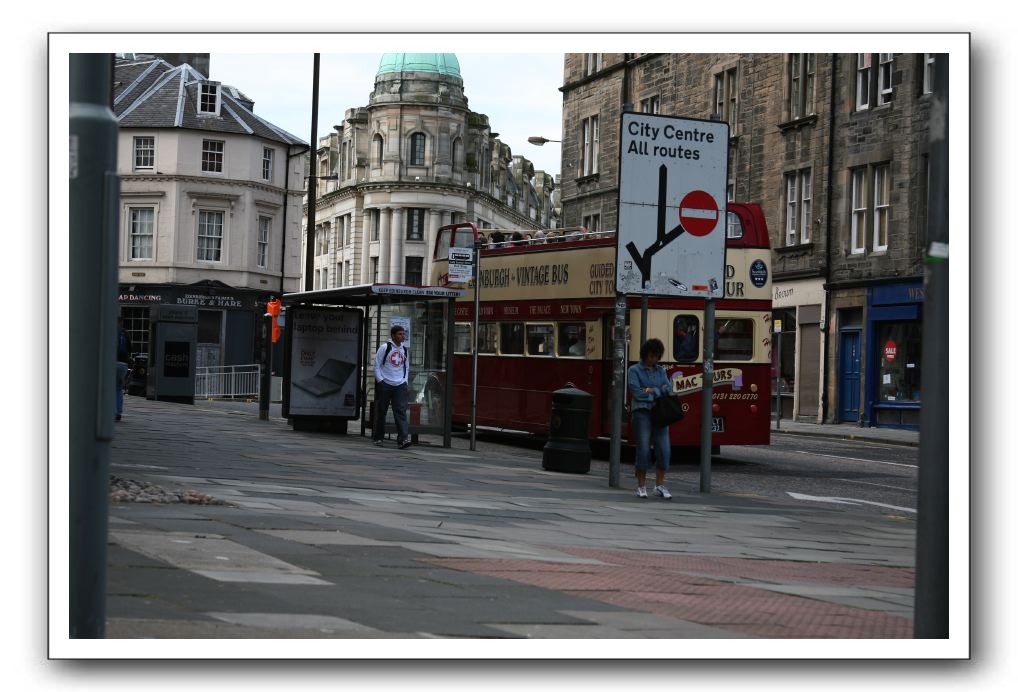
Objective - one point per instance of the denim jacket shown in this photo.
(640, 377)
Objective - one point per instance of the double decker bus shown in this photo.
(547, 307)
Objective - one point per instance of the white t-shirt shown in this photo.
(391, 369)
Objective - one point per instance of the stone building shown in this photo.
(413, 159)
(834, 149)
(210, 204)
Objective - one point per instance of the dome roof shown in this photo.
(442, 63)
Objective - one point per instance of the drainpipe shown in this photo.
(827, 264)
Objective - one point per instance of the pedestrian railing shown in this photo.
(227, 382)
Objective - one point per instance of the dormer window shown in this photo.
(209, 98)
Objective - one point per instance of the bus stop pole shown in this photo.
(644, 301)
(618, 389)
(450, 336)
(477, 328)
(707, 406)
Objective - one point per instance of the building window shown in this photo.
(376, 222)
(726, 91)
(212, 155)
(136, 324)
(900, 347)
(592, 223)
(142, 232)
(928, 67)
(862, 81)
(374, 270)
(802, 68)
(210, 236)
(209, 98)
(144, 153)
(457, 146)
(588, 166)
(414, 224)
(651, 104)
(417, 149)
(798, 200)
(414, 274)
(379, 149)
(264, 224)
(881, 205)
(858, 211)
(885, 90)
(267, 164)
(592, 62)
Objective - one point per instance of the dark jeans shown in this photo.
(397, 396)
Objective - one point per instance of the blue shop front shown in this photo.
(894, 355)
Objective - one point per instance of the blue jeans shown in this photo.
(647, 433)
(397, 396)
(121, 381)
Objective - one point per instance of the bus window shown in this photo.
(540, 339)
(686, 338)
(734, 339)
(463, 338)
(511, 338)
(572, 338)
(486, 338)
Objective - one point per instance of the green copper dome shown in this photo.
(442, 63)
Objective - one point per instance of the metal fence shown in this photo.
(227, 382)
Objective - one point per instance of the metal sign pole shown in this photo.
(477, 328)
(707, 406)
(618, 389)
(777, 376)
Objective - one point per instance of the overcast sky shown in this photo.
(518, 92)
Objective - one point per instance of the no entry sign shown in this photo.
(698, 213)
(673, 180)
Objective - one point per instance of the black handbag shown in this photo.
(666, 410)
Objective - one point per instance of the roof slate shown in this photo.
(148, 94)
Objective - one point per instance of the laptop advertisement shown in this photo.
(324, 361)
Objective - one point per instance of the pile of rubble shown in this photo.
(123, 490)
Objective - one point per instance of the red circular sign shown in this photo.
(890, 351)
(698, 213)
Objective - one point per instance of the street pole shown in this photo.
(777, 375)
(477, 328)
(265, 386)
(644, 300)
(94, 195)
(618, 389)
(707, 405)
(932, 525)
(312, 183)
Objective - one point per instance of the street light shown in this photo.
(541, 141)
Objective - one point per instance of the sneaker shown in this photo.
(641, 492)
(662, 491)
(377, 443)
(404, 444)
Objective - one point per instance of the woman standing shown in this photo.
(648, 381)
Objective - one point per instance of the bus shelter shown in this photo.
(330, 340)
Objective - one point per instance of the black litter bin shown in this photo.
(568, 447)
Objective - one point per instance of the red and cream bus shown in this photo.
(546, 310)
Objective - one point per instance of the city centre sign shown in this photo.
(673, 178)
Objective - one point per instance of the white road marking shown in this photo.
(848, 501)
(868, 461)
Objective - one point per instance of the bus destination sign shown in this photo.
(672, 191)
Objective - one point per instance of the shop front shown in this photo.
(894, 355)
(798, 305)
(228, 318)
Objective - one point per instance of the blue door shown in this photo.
(848, 382)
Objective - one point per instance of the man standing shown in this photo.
(391, 368)
(123, 364)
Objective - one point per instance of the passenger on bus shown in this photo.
(497, 239)
(685, 343)
(517, 238)
(575, 347)
(527, 239)
(647, 381)
(539, 237)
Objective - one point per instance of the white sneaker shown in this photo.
(641, 492)
(662, 491)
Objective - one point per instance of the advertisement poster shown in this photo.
(324, 361)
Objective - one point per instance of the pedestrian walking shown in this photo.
(391, 370)
(647, 382)
(123, 365)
